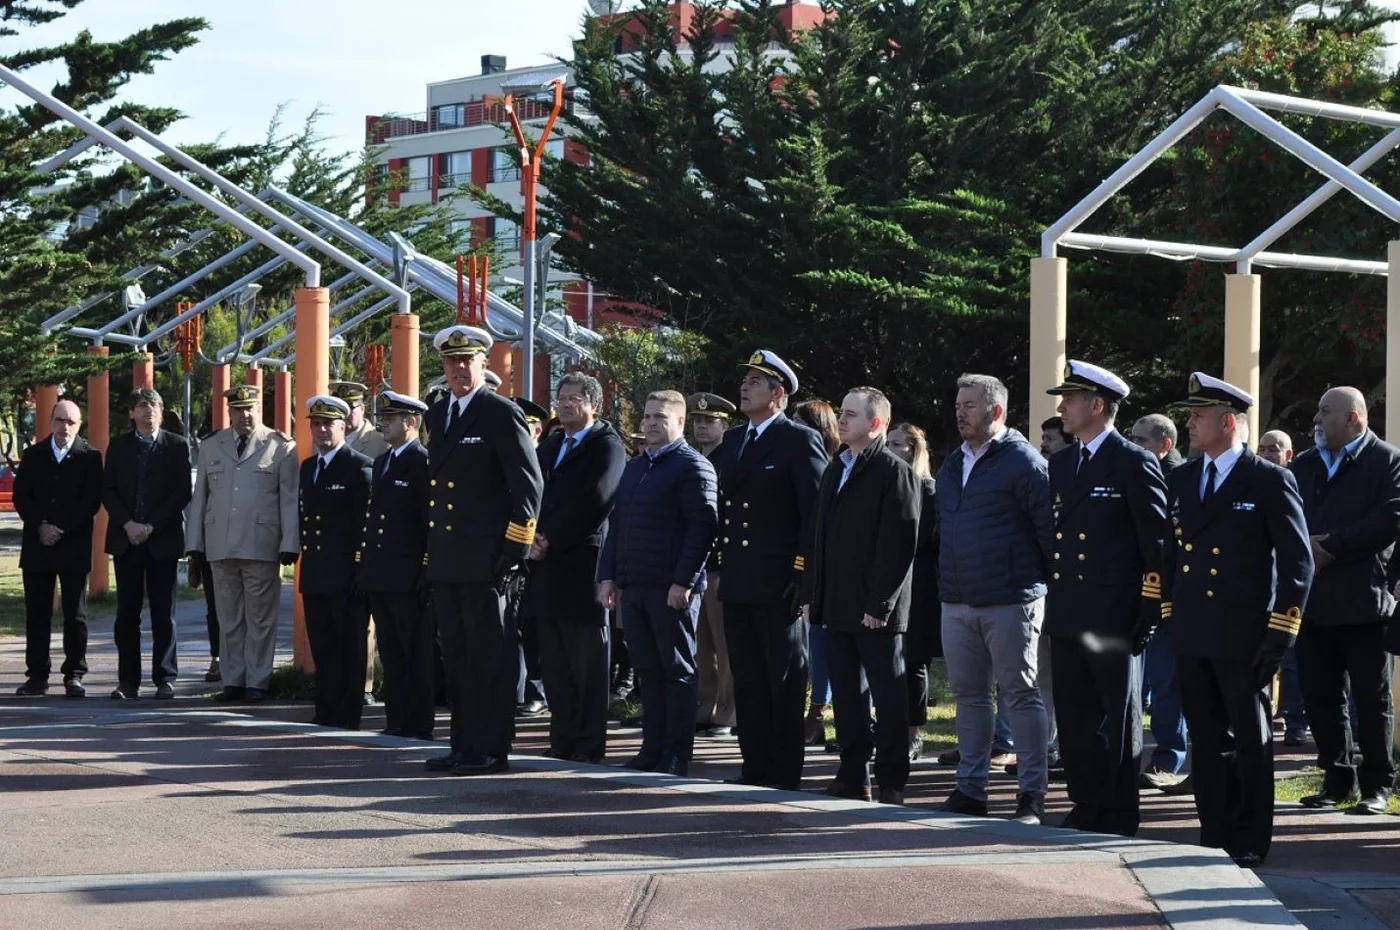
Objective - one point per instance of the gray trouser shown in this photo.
(998, 643)
(247, 592)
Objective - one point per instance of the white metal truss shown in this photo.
(1248, 106)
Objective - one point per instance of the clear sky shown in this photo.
(354, 57)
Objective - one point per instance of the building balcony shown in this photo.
(488, 111)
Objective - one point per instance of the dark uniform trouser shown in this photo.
(769, 663)
(141, 578)
(1098, 703)
(1329, 657)
(478, 655)
(880, 656)
(405, 633)
(337, 626)
(1233, 775)
(211, 610)
(575, 663)
(38, 627)
(662, 644)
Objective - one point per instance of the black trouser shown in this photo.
(1232, 752)
(337, 627)
(1098, 704)
(38, 625)
(661, 641)
(529, 685)
(211, 612)
(141, 578)
(1329, 657)
(920, 645)
(769, 663)
(478, 656)
(865, 665)
(575, 662)
(405, 632)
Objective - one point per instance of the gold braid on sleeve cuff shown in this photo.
(799, 564)
(1152, 586)
(1166, 610)
(521, 533)
(1288, 622)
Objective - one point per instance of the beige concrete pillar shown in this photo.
(99, 433)
(313, 322)
(1392, 406)
(403, 343)
(1242, 341)
(282, 402)
(218, 411)
(1049, 329)
(143, 371)
(45, 399)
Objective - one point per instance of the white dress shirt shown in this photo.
(970, 457)
(1223, 464)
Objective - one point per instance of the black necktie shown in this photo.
(451, 415)
(242, 445)
(385, 470)
(1083, 460)
(749, 439)
(316, 475)
(1210, 483)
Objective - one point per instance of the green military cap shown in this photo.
(243, 395)
(534, 413)
(706, 404)
(352, 392)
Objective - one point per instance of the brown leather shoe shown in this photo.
(814, 728)
(839, 789)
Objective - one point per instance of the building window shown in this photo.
(506, 233)
(449, 116)
(554, 148)
(461, 231)
(456, 169)
(419, 170)
(502, 167)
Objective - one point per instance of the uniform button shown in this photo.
(381, 516)
(1188, 547)
(1057, 555)
(318, 532)
(235, 488)
(1185, 568)
(729, 503)
(430, 524)
(381, 532)
(1057, 576)
(1081, 557)
(1210, 594)
(746, 505)
(726, 540)
(1214, 572)
(746, 526)
(1082, 537)
(451, 484)
(449, 506)
(726, 521)
(432, 503)
(1080, 577)
(448, 528)
(1215, 551)
(1059, 535)
(744, 543)
(1180, 544)
(433, 483)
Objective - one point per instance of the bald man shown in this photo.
(1350, 485)
(58, 489)
(1276, 446)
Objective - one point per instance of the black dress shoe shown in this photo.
(1372, 803)
(840, 789)
(959, 803)
(642, 763)
(1324, 799)
(674, 767)
(1248, 860)
(750, 782)
(784, 786)
(387, 731)
(531, 709)
(832, 746)
(443, 763)
(230, 693)
(425, 735)
(165, 691)
(1030, 809)
(891, 796)
(124, 693)
(32, 688)
(587, 758)
(253, 695)
(561, 754)
(73, 687)
(481, 765)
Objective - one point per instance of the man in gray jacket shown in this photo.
(998, 527)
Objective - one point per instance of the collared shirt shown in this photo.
(1094, 444)
(1223, 464)
(758, 429)
(970, 457)
(566, 447)
(848, 459)
(461, 402)
(395, 452)
(1335, 462)
(59, 452)
(326, 459)
(148, 440)
(653, 456)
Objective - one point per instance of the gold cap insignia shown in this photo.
(1195, 384)
(1069, 371)
(702, 404)
(757, 359)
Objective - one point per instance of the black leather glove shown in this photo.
(1269, 656)
(1149, 615)
(195, 556)
(512, 557)
(288, 558)
(792, 593)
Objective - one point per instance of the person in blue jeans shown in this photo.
(814, 729)
(1295, 717)
(1168, 722)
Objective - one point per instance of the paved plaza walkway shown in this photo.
(192, 814)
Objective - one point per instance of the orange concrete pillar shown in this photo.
(515, 385)
(254, 376)
(143, 371)
(282, 401)
(313, 322)
(403, 344)
(501, 362)
(45, 398)
(544, 377)
(99, 428)
(218, 411)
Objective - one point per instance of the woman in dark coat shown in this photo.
(924, 641)
(819, 416)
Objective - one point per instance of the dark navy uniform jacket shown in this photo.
(1238, 566)
(484, 488)
(332, 518)
(1109, 524)
(395, 543)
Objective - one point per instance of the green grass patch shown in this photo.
(1310, 782)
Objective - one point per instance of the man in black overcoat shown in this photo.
(333, 493)
(866, 533)
(582, 465)
(145, 487)
(58, 489)
(1104, 600)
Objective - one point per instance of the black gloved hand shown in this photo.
(1149, 615)
(1268, 658)
(195, 556)
(288, 558)
(512, 557)
(792, 593)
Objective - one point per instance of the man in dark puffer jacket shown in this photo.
(997, 535)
